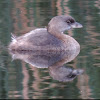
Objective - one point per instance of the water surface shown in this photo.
(19, 79)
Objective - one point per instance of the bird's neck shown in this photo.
(60, 35)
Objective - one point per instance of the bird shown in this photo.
(50, 38)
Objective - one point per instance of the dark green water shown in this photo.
(20, 80)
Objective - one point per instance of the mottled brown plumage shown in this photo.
(49, 39)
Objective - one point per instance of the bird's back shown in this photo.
(38, 39)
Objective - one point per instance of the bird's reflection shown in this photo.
(54, 61)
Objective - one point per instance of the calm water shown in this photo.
(22, 80)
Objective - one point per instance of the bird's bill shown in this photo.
(76, 25)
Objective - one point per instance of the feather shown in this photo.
(13, 37)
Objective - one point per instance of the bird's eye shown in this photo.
(68, 22)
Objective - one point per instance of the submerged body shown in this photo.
(51, 39)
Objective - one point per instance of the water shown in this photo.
(22, 80)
